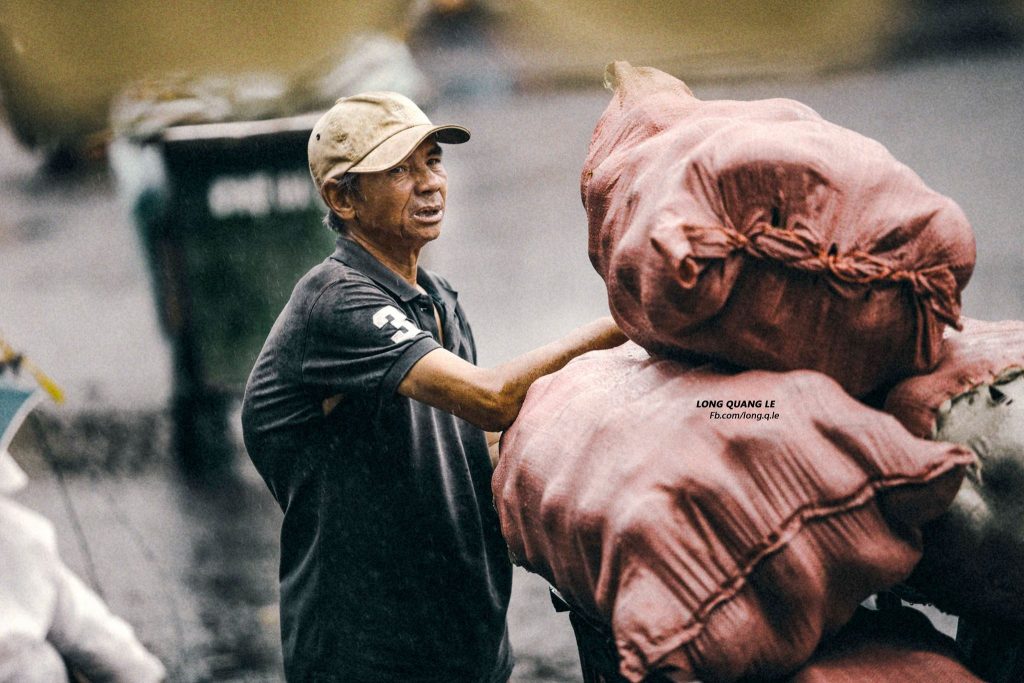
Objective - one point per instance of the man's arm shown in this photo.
(490, 398)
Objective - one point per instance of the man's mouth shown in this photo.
(429, 214)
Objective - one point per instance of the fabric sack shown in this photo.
(976, 357)
(716, 542)
(760, 234)
(973, 563)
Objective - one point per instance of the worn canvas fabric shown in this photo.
(973, 562)
(714, 547)
(760, 234)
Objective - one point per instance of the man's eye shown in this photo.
(397, 170)
(435, 161)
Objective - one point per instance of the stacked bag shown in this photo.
(974, 559)
(713, 492)
(973, 562)
(715, 549)
(760, 234)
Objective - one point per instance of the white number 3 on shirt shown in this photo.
(389, 315)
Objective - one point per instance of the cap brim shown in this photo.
(396, 148)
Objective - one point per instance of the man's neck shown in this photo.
(403, 262)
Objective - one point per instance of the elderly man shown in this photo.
(365, 414)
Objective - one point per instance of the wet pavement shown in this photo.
(193, 566)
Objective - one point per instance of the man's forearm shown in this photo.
(490, 398)
(522, 371)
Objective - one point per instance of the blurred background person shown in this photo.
(50, 621)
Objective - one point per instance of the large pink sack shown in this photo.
(713, 548)
(763, 235)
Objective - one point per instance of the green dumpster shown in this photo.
(230, 220)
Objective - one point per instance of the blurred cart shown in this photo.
(229, 221)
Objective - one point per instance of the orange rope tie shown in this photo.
(855, 267)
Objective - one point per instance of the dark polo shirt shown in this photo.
(392, 564)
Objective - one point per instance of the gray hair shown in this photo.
(348, 184)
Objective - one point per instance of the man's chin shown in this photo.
(429, 233)
(422, 236)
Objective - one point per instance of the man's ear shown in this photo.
(339, 202)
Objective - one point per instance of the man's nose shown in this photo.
(428, 181)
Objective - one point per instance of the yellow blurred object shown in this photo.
(61, 64)
(566, 40)
(8, 354)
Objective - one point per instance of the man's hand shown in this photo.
(490, 398)
(493, 441)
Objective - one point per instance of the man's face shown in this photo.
(402, 207)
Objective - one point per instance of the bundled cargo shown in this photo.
(973, 561)
(760, 234)
(721, 523)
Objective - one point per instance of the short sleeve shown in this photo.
(359, 341)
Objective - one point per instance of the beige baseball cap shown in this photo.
(371, 132)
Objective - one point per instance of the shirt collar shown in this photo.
(353, 254)
(437, 287)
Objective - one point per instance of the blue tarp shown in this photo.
(16, 402)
